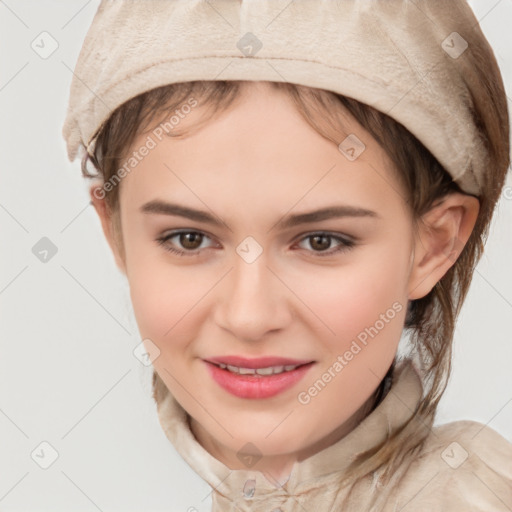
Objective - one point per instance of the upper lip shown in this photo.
(258, 362)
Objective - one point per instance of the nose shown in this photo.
(252, 300)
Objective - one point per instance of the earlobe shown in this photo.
(442, 234)
(97, 195)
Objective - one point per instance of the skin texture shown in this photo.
(251, 166)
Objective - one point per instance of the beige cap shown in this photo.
(406, 58)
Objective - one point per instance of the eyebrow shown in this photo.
(164, 208)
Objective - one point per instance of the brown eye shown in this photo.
(186, 243)
(190, 240)
(320, 242)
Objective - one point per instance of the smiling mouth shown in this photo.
(266, 379)
(261, 372)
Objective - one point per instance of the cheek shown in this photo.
(363, 300)
(364, 306)
(168, 310)
(166, 302)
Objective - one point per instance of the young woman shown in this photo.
(291, 189)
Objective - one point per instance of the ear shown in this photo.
(98, 201)
(442, 234)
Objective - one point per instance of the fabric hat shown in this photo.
(406, 58)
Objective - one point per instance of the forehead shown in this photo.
(261, 146)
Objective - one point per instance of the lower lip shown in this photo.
(250, 386)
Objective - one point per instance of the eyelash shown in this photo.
(347, 244)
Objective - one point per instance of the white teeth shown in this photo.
(270, 370)
(247, 371)
(265, 371)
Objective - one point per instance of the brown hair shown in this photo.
(430, 320)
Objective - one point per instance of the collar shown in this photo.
(320, 469)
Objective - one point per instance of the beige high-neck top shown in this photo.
(463, 466)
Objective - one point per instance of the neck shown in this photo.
(278, 467)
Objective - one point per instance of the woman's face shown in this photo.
(257, 279)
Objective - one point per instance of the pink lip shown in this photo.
(252, 386)
(258, 362)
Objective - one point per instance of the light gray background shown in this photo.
(67, 372)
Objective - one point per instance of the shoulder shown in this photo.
(471, 445)
(463, 465)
